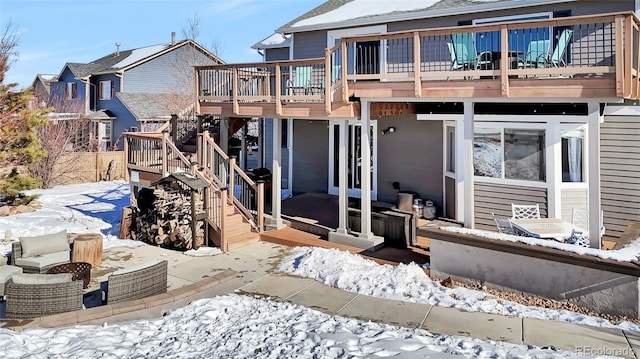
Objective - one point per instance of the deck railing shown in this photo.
(591, 46)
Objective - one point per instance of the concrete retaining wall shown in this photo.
(601, 285)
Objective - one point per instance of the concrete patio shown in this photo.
(251, 271)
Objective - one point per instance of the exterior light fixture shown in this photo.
(388, 130)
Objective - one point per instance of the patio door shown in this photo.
(354, 158)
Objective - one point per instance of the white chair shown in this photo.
(525, 211)
(580, 219)
(579, 238)
(503, 224)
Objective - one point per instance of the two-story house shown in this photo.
(128, 90)
(474, 105)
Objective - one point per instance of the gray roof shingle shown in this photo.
(150, 106)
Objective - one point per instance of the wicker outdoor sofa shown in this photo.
(41, 297)
(137, 281)
(40, 253)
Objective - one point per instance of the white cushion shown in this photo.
(45, 260)
(7, 271)
(34, 278)
(135, 267)
(3, 260)
(45, 244)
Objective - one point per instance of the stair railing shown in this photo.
(246, 195)
(213, 158)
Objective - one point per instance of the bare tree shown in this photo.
(63, 138)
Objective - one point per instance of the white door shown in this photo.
(354, 158)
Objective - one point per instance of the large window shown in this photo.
(518, 39)
(506, 153)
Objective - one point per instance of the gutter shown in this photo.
(419, 15)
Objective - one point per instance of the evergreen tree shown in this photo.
(19, 144)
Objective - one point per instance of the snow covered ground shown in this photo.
(239, 326)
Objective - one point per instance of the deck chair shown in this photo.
(580, 219)
(536, 55)
(525, 211)
(454, 62)
(557, 58)
(301, 81)
(464, 55)
(503, 224)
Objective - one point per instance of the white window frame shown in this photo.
(106, 95)
(487, 20)
(353, 192)
(69, 90)
(551, 124)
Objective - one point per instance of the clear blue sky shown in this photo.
(52, 33)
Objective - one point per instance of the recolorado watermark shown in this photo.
(609, 351)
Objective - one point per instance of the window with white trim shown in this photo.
(572, 155)
(509, 153)
(106, 90)
(71, 91)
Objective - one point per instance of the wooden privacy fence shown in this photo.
(82, 167)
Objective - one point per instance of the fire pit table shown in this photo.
(80, 270)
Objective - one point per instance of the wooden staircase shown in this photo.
(234, 219)
(238, 231)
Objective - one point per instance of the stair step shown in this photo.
(242, 240)
(236, 228)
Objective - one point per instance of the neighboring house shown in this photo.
(126, 90)
(41, 88)
(472, 104)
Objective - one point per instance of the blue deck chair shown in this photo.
(557, 58)
(301, 80)
(464, 55)
(537, 54)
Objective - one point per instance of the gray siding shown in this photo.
(310, 156)
(171, 72)
(276, 54)
(620, 170)
(572, 198)
(412, 156)
(308, 45)
(268, 153)
(498, 198)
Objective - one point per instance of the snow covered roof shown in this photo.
(277, 40)
(341, 13)
(136, 55)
